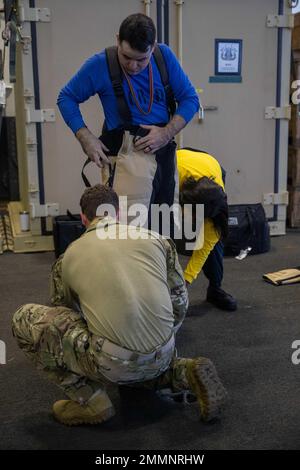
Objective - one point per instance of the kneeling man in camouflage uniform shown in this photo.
(118, 297)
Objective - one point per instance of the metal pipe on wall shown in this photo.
(159, 21)
(162, 22)
(36, 85)
(166, 22)
(179, 5)
(147, 4)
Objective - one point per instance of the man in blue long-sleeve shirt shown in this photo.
(147, 169)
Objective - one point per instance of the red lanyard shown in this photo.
(150, 91)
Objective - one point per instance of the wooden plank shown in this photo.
(294, 126)
(293, 210)
(296, 32)
(294, 167)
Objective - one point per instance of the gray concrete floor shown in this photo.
(251, 349)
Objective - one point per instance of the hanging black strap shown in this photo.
(161, 64)
(115, 73)
(83, 176)
(110, 180)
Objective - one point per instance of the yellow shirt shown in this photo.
(197, 165)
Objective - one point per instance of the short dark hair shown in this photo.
(93, 197)
(139, 31)
(206, 191)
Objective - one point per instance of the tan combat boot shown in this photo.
(200, 377)
(71, 413)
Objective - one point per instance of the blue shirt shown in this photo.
(93, 78)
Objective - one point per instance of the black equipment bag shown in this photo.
(248, 227)
(66, 229)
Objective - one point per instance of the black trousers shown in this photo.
(213, 266)
(164, 179)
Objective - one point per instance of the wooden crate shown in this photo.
(296, 32)
(294, 167)
(293, 211)
(294, 125)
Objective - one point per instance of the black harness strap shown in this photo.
(116, 80)
(115, 72)
(116, 77)
(108, 183)
(83, 176)
(161, 64)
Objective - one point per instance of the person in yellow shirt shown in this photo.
(201, 182)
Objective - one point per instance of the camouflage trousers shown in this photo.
(57, 340)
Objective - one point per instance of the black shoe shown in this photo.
(221, 299)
